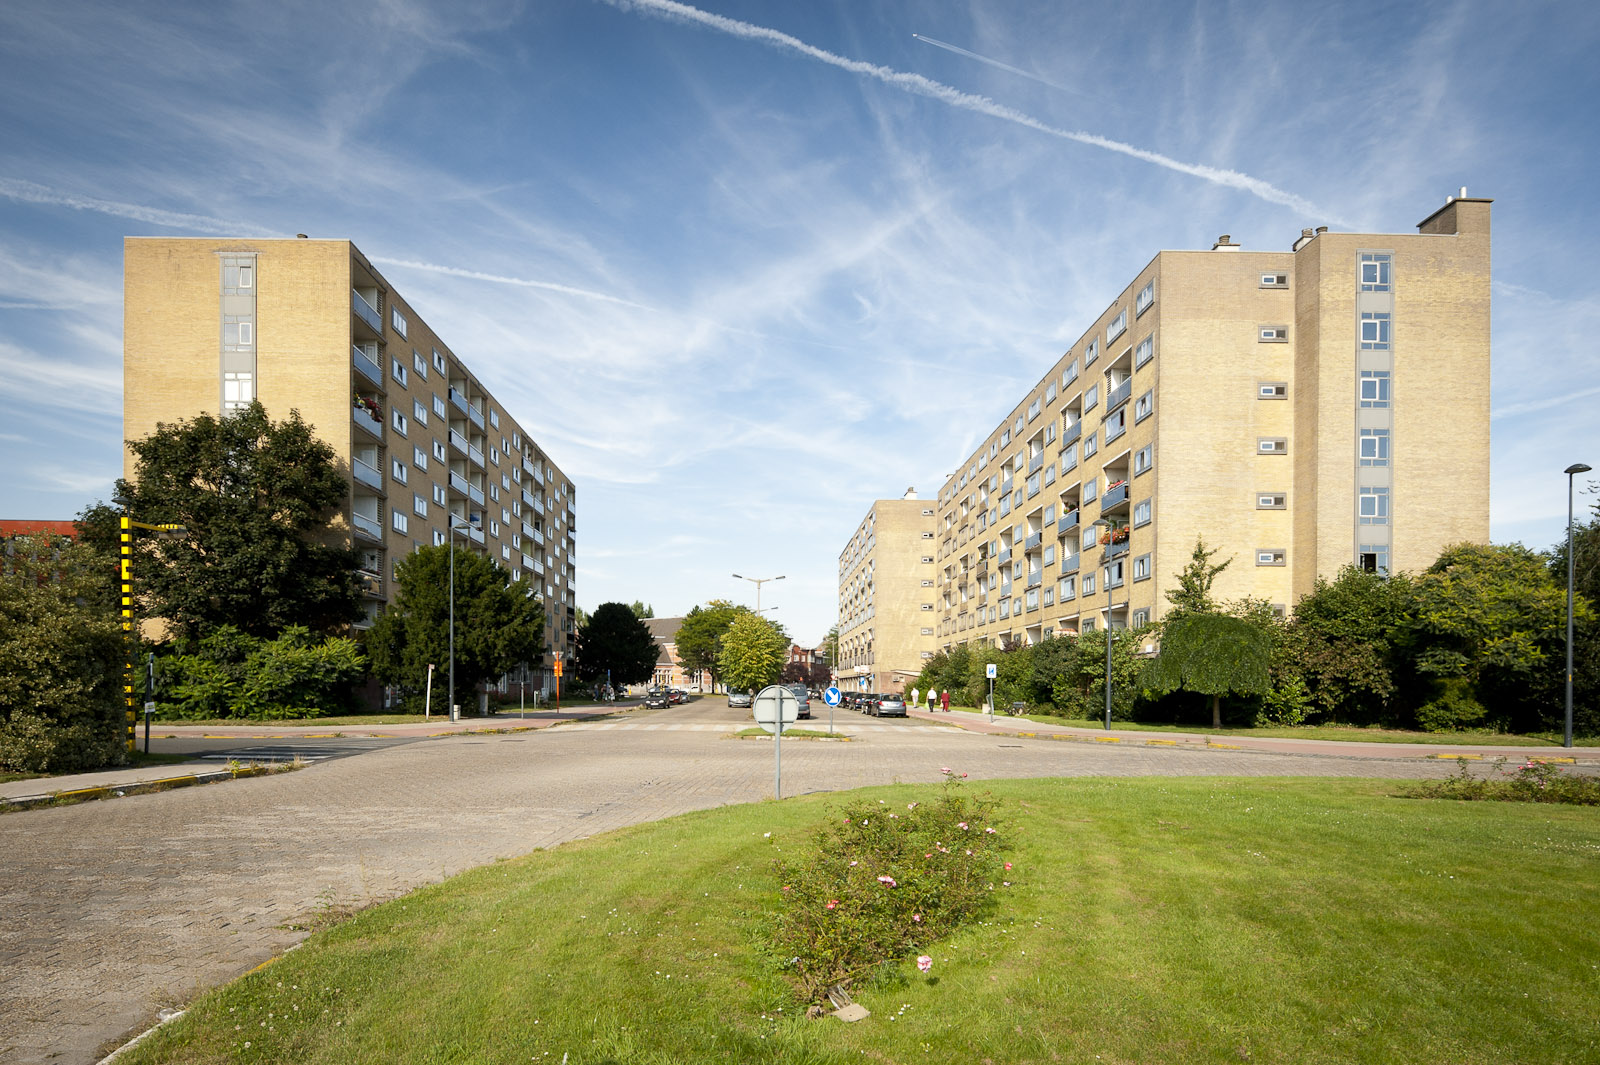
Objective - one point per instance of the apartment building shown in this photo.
(887, 590)
(210, 325)
(1301, 410)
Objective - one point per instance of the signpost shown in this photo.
(832, 698)
(989, 671)
(776, 708)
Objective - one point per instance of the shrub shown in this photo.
(1288, 703)
(1452, 708)
(231, 674)
(1532, 781)
(880, 883)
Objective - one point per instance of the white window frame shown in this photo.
(398, 321)
(1144, 459)
(1378, 453)
(399, 421)
(1272, 501)
(1146, 297)
(1117, 327)
(397, 370)
(1272, 445)
(1378, 396)
(1144, 406)
(1141, 513)
(1375, 331)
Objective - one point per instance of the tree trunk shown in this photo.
(1216, 711)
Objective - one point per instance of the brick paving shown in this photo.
(111, 910)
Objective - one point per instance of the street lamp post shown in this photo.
(1571, 472)
(758, 582)
(1110, 528)
(468, 525)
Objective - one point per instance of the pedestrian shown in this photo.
(913, 698)
(944, 701)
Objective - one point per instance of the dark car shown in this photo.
(657, 700)
(804, 698)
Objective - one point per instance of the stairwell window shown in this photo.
(1374, 447)
(1374, 331)
(1375, 388)
(1374, 268)
(1374, 505)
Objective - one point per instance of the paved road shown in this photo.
(111, 910)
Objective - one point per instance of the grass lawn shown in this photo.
(1153, 921)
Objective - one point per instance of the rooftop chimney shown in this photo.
(1305, 238)
(1225, 243)
(911, 493)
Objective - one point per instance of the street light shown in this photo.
(472, 522)
(1571, 472)
(1110, 528)
(758, 582)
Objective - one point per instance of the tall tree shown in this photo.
(616, 644)
(61, 657)
(753, 652)
(699, 639)
(498, 624)
(256, 498)
(1345, 641)
(1193, 592)
(1212, 654)
(1586, 630)
(642, 610)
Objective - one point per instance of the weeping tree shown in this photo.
(1212, 654)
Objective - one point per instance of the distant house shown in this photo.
(669, 670)
(10, 527)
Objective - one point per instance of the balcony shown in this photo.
(1114, 497)
(1033, 541)
(368, 421)
(1072, 435)
(529, 469)
(1004, 556)
(1118, 396)
(475, 455)
(459, 442)
(1116, 429)
(366, 311)
(1069, 563)
(1115, 550)
(366, 474)
(474, 493)
(459, 400)
(531, 563)
(1067, 523)
(1036, 463)
(1035, 579)
(476, 533)
(366, 366)
(458, 483)
(476, 415)
(366, 526)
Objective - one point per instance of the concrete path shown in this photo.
(111, 910)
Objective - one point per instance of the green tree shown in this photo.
(830, 646)
(256, 498)
(699, 639)
(231, 674)
(499, 624)
(753, 652)
(1586, 625)
(615, 643)
(1076, 669)
(1193, 592)
(61, 658)
(947, 671)
(642, 610)
(1212, 654)
(1492, 619)
(1346, 642)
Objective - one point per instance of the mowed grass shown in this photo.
(1158, 921)
(1341, 733)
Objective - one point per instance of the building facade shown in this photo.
(311, 325)
(1300, 411)
(887, 596)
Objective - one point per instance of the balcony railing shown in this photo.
(1035, 579)
(1036, 463)
(1115, 550)
(475, 494)
(476, 532)
(1004, 556)
(369, 526)
(369, 422)
(371, 583)
(366, 311)
(528, 468)
(475, 455)
(1071, 435)
(368, 368)
(459, 442)
(458, 483)
(1033, 541)
(1069, 563)
(1067, 523)
(476, 415)
(531, 563)
(459, 400)
(366, 474)
(1119, 395)
(1113, 497)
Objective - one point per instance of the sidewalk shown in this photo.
(125, 779)
(972, 721)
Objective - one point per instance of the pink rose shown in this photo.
(925, 963)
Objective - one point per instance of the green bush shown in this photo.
(1288, 703)
(880, 883)
(1452, 708)
(231, 674)
(1532, 781)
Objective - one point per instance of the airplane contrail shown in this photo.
(28, 192)
(994, 63)
(501, 279)
(918, 85)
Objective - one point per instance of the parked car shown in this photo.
(801, 694)
(889, 704)
(677, 695)
(864, 701)
(657, 699)
(738, 698)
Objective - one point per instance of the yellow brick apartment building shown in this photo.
(887, 590)
(311, 325)
(1300, 410)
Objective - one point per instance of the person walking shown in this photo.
(944, 701)
(913, 698)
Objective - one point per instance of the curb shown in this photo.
(137, 787)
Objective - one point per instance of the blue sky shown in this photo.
(745, 267)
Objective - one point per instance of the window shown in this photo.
(1118, 326)
(438, 494)
(1374, 447)
(1090, 446)
(1270, 556)
(1087, 624)
(399, 521)
(1141, 618)
(1374, 331)
(1050, 433)
(1141, 513)
(927, 536)
(927, 606)
(238, 389)
(927, 584)
(1272, 501)
(1089, 490)
(1005, 438)
(1117, 424)
(1141, 568)
(399, 423)
(1069, 375)
(247, 276)
(1144, 406)
(494, 528)
(1274, 334)
(927, 558)
(1375, 271)
(419, 506)
(438, 361)
(397, 370)
(1143, 458)
(1033, 409)
(927, 512)
(1017, 428)
(438, 405)
(397, 320)
(1374, 558)
(1114, 575)
(1050, 393)
(438, 450)
(1274, 280)
(1091, 397)
(1091, 538)
(419, 459)
(1067, 589)
(1049, 598)
(1144, 352)
(397, 470)
(1374, 505)
(438, 537)
(494, 418)
(1272, 445)
(419, 366)
(419, 412)
(1088, 584)
(1147, 296)
(1272, 390)
(494, 492)
(1091, 353)
(1374, 388)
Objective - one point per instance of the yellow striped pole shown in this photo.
(127, 626)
